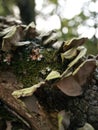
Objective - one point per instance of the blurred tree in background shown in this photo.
(26, 9)
(79, 25)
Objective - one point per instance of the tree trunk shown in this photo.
(27, 10)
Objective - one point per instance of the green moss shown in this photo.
(30, 72)
(91, 48)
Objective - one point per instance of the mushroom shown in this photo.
(75, 42)
(72, 85)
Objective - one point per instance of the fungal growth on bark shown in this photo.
(46, 84)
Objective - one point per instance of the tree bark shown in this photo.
(27, 10)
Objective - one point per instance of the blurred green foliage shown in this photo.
(69, 27)
(6, 7)
(91, 47)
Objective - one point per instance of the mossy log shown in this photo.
(63, 78)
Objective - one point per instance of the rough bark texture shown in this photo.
(8, 84)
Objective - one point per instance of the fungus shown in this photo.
(72, 85)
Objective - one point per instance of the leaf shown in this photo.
(75, 42)
(69, 54)
(53, 75)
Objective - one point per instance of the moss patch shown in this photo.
(30, 72)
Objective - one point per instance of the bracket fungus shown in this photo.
(75, 42)
(73, 84)
(30, 54)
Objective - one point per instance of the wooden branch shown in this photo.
(7, 86)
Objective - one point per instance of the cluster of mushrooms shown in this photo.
(76, 73)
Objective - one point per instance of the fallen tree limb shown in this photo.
(70, 79)
(8, 83)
